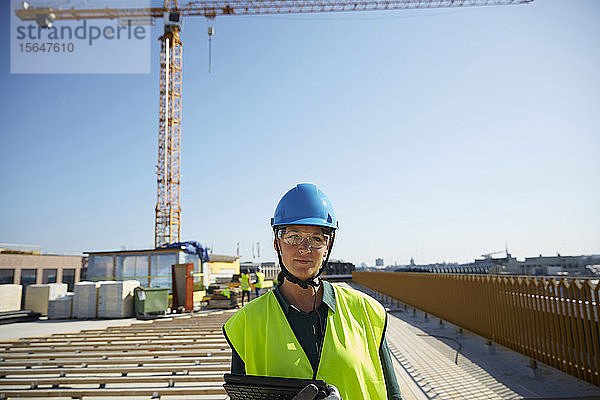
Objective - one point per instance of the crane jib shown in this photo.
(253, 7)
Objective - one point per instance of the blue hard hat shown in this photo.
(305, 205)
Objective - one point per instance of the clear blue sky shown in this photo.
(438, 134)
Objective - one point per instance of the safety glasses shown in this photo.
(293, 238)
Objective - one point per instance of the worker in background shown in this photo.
(245, 285)
(260, 281)
(309, 328)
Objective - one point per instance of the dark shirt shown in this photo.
(309, 329)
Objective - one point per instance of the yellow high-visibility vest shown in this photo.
(245, 282)
(260, 280)
(262, 337)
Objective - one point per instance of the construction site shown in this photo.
(147, 323)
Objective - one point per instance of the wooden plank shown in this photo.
(53, 346)
(84, 356)
(176, 332)
(114, 348)
(592, 366)
(595, 317)
(136, 361)
(112, 393)
(550, 331)
(174, 369)
(191, 333)
(541, 328)
(96, 380)
(115, 337)
(574, 326)
(559, 323)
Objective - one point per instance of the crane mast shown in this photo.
(167, 227)
(168, 208)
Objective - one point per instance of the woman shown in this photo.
(306, 327)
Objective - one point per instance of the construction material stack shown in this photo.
(10, 297)
(85, 300)
(61, 307)
(115, 299)
(37, 297)
(225, 297)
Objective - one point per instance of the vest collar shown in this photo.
(328, 297)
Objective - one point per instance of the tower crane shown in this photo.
(168, 209)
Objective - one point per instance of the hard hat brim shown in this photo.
(306, 221)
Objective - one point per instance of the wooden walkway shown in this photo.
(178, 357)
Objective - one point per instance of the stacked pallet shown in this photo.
(37, 297)
(115, 299)
(225, 298)
(61, 307)
(85, 300)
(10, 297)
(236, 296)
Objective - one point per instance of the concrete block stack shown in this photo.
(85, 300)
(61, 307)
(10, 297)
(115, 299)
(37, 297)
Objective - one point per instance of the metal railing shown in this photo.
(552, 320)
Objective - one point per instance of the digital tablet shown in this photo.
(246, 387)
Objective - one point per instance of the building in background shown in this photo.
(338, 267)
(269, 268)
(542, 266)
(559, 265)
(28, 267)
(379, 262)
(151, 267)
(248, 266)
(222, 268)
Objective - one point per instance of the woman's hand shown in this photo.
(333, 393)
(310, 392)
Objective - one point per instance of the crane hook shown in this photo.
(211, 32)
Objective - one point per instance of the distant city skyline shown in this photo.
(438, 134)
(258, 260)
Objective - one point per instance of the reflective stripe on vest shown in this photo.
(260, 280)
(263, 339)
(246, 282)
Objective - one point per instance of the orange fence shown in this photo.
(553, 320)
